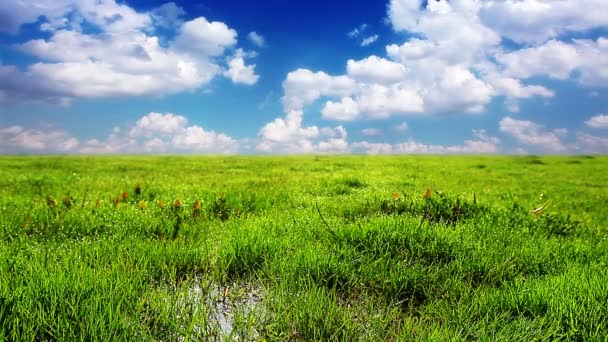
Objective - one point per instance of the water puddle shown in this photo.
(232, 312)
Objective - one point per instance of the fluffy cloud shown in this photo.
(555, 59)
(560, 60)
(287, 135)
(380, 101)
(157, 123)
(239, 72)
(13, 14)
(536, 21)
(594, 66)
(200, 36)
(454, 62)
(345, 110)
(160, 133)
(598, 121)
(17, 139)
(108, 15)
(447, 69)
(374, 69)
(302, 87)
(121, 57)
(533, 134)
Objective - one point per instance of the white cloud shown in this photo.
(555, 59)
(17, 139)
(108, 15)
(256, 39)
(587, 143)
(13, 14)
(374, 69)
(483, 145)
(483, 136)
(287, 135)
(160, 133)
(200, 36)
(371, 132)
(302, 87)
(594, 64)
(380, 101)
(533, 134)
(513, 88)
(345, 110)
(121, 58)
(157, 123)
(369, 40)
(455, 64)
(560, 60)
(195, 138)
(239, 72)
(372, 148)
(598, 121)
(536, 21)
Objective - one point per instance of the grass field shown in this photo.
(303, 248)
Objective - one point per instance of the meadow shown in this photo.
(303, 248)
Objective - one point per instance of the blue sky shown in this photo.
(300, 77)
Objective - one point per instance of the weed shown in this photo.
(219, 208)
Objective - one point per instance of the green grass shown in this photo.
(303, 248)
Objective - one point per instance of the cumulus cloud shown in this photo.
(453, 62)
(588, 143)
(302, 87)
(162, 133)
(560, 60)
(121, 57)
(158, 124)
(598, 121)
(18, 139)
(533, 134)
(555, 59)
(345, 110)
(14, 14)
(239, 72)
(374, 69)
(288, 135)
(200, 36)
(446, 68)
(536, 21)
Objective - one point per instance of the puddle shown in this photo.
(232, 311)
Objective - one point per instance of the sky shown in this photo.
(304, 77)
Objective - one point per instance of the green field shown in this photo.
(303, 248)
